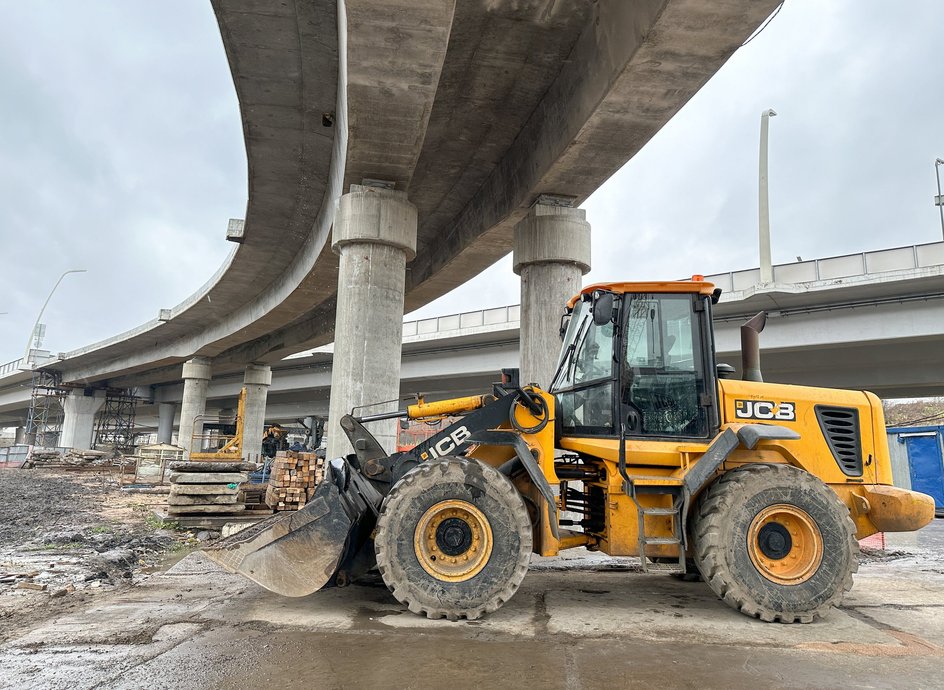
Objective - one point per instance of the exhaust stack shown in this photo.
(750, 347)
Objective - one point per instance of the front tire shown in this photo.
(453, 539)
(775, 543)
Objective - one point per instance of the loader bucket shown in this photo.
(297, 553)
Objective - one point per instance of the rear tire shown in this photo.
(775, 543)
(453, 539)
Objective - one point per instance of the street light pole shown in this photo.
(29, 343)
(766, 264)
(939, 201)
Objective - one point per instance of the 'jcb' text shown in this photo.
(765, 409)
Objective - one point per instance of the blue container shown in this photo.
(924, 449)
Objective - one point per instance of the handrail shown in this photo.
(11, 367)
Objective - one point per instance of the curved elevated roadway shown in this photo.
(474, 108)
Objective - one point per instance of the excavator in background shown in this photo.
(642, 447)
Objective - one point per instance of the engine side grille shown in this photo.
(840, 427)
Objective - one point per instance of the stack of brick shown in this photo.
(293, 478)
(206, 487)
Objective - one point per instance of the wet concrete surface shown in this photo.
(581, 622)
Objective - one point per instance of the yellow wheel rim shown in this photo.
(453, 541)
(785, 544)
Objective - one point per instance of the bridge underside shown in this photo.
(474, 108)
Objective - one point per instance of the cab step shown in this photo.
(671, 567)
(659, 511)
(673, 488)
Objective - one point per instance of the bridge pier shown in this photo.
(78, 419)
(256, 381)
(551, 254)
(196, 375)
(374, 235)
(165, 422)
(20, 437)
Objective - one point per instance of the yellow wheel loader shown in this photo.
(641, 447)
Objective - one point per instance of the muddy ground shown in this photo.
(67, 536)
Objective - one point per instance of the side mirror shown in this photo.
(565, 322)
(603, 309)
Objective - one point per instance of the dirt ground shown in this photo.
(67, 536)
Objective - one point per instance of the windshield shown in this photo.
(587, 353)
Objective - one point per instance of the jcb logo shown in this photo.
(765, 409)
(444, 446)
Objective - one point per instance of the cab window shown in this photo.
(585, 379)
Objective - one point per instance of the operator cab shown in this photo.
(640, 355)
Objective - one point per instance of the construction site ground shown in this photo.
(580, 621)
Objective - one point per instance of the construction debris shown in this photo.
(54, 457)
(35, 586)
(293, 479)
(206, 487)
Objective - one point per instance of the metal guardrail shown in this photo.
(482, 318)
(11, 367)
(863, 264)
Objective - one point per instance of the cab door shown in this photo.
(666, 384)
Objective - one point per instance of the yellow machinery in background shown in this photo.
(642, 446)
(232, 448)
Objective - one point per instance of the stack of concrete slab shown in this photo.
(207, 487)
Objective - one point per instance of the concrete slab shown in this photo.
(583, 622)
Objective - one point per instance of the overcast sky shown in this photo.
(121, 153)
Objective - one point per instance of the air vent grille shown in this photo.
(840, 426)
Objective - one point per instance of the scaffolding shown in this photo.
(115, 427)
(44, 419)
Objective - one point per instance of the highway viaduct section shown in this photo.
(872, 321)
(395, 149)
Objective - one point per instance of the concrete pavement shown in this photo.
(581, 622)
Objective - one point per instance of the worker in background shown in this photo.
(270, 445)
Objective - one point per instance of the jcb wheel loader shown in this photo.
(642, 446)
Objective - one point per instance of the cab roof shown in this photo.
(700, 287)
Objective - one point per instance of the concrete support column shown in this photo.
(20, 437)
(196, 375)
(257, 379)
(375, 236)
(78, 418)
(165, 422)
(552, 254)
(311, 423)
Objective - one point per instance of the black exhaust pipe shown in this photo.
(750, 347)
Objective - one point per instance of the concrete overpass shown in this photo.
(873, 321)
(420, 132)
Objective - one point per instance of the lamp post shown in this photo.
(766, 265)
(939, 199)
(29, 343)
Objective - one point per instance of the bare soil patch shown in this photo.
(68, 535)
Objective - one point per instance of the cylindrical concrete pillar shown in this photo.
(78, 418)
(375, 235)
(165, 422)
(552, 253)
(257, 379)
(312, 425)
(196, 375)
